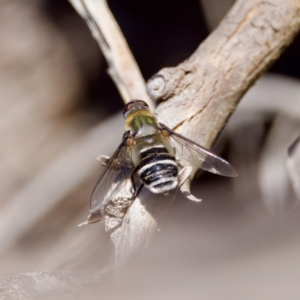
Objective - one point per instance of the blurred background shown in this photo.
(58, 110)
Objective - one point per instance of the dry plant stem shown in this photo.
(138, 226)
(49, 284)
(203, 91)
(123, 68)
(293, 165)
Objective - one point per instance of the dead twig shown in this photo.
(201, 93)
(49, 284)
(123, 68)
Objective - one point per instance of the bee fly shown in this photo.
(150, 155)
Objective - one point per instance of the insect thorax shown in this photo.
(141, 122)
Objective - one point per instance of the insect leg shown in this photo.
(104, 160)
(132, 179)
(136, 193)
(184, 183)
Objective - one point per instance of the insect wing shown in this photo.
(198, 156)
(114, 177)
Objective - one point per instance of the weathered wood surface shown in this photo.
(199, 95)
(32, 100)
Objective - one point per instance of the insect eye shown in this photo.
(128, 107)
(142, 103)
(132, 104)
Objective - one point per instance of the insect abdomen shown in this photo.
(158, 169)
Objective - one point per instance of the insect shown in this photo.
(153, 156)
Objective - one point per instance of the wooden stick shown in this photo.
(201, 93)
(122, 66)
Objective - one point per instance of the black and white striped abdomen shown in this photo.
(158, 169)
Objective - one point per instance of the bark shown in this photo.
(204, 90)
(122, 66)
(197, 97)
